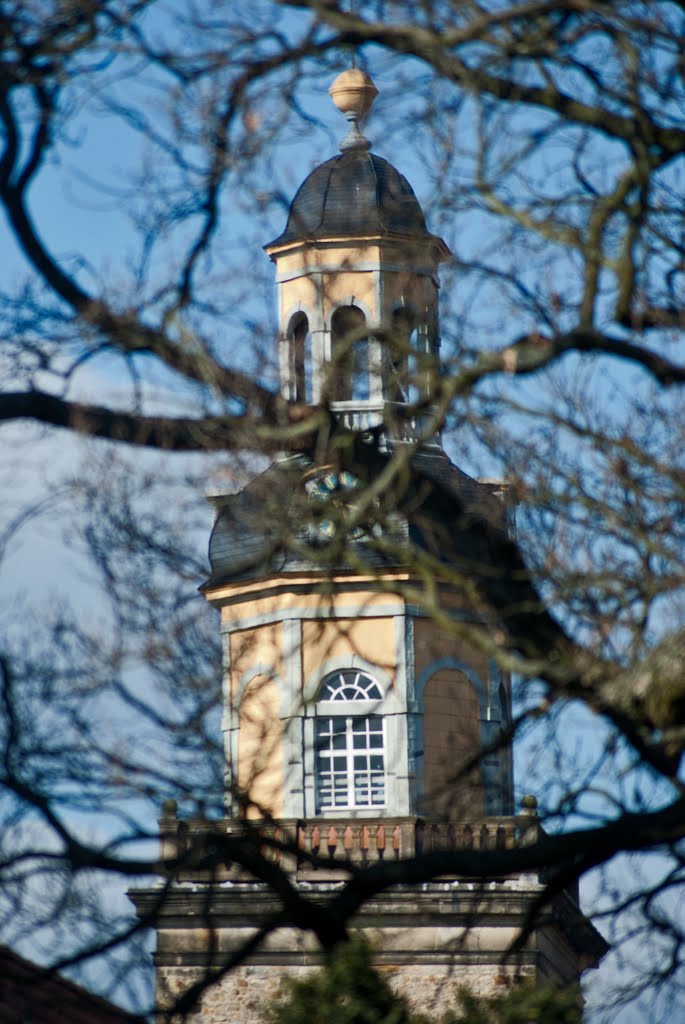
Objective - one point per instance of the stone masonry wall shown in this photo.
(244, 995)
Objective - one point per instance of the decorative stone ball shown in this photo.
(169, 808)
(353, 92)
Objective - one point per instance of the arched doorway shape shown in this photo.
(300, 358)
(396, 377)
(453, 702)
(350, 370)
(451, 738)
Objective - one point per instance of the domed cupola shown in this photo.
(356, 272)
(357, 194)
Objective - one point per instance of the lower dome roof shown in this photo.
(257, 534)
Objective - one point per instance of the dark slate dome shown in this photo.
(257, 533)
(356, 193)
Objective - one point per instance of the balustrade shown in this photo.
(370, 415)
(320, 845)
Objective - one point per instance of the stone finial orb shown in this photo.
(353, 92)
(529, 804)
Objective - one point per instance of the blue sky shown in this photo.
(80, 202)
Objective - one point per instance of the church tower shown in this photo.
(355, 709)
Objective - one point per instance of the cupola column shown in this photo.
(321, 357)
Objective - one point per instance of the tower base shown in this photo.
(430, 941)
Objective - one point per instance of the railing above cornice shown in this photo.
(401, 424)
(322, 848)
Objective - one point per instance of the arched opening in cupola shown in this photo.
(422, 361)
(350, 379)
(396, 377)
(300, 358)
(409, 357)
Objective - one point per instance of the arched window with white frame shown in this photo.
(350, 743)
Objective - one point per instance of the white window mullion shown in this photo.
(349, 750)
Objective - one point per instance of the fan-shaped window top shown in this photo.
(350, 684)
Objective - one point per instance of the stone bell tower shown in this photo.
(354, 712)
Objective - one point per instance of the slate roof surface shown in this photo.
(257, 529)
(31, 995)
(356, 193)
